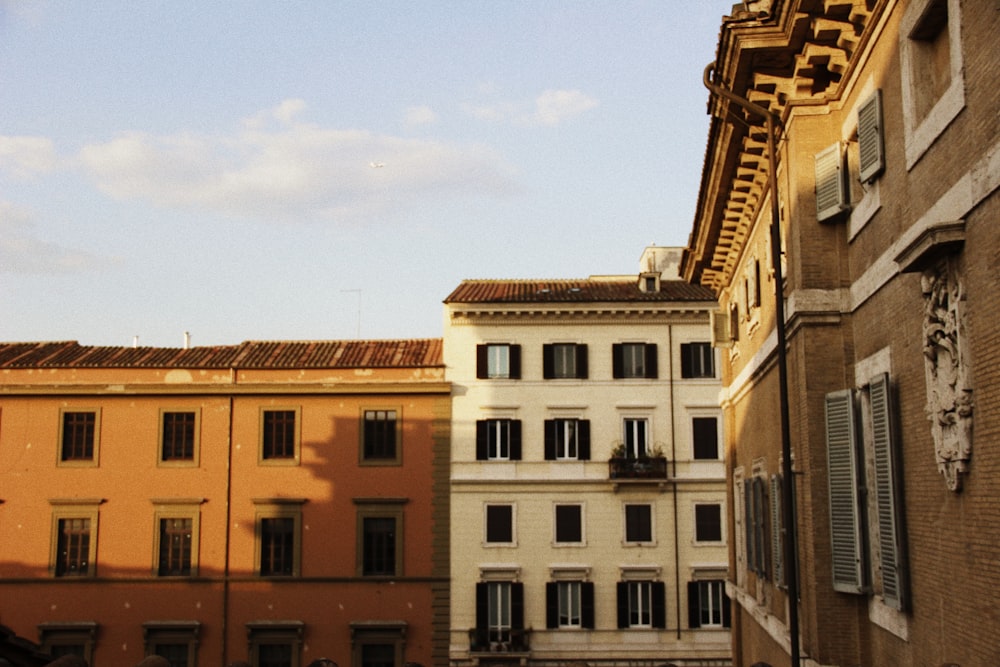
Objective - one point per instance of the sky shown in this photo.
(333, 169)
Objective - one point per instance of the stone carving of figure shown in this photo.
(949, 386)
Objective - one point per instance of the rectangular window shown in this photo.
(697, 360)
(498, 361)
(176, 540)
(564, 360)
(278, 534)
(642, 604)
(177, 642)
(634, 360)
(380, 436)
(379, 557)
(73, 547)
(708, 605)
(569, 524)
(705, 431)
(500, 524)
(499, 617)
(708, 523)
(639, 524)
(72, 638)
(275, 643)
(635, 433)
(78, 437)
(177, 442)
(378, 655)
(567, 439)
(379, 644)
(279, 441)
(498, 440)
(569, 604)
(756, 510)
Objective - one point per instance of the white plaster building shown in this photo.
(587, 483)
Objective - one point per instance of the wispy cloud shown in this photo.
(422, 115)
(21, 251)
(549, 108)
(275, 167)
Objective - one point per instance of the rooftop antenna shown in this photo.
(358, 334)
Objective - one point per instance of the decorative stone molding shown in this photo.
(947, 369)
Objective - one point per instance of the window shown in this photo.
(278, 536)
(871, 148)
(832, 193)
(569, 524)
(638, 524)
(708, 523)
(275, 643)
(633, 360)
(279, 436)
(635, 435)
(381, 437)
(706, 437)
(885, 573)
(176, 527)
(74, 537)
(178, 437)
(569, 604)
(177, 642)
(708, 605)
(380, 536)
(642, 604)
(499, 524)
(499, 616)
(697, 360)
(933, 91)
(175, 547)
(756, 509)
(72, 638)
(498, 440)
(377, 645)
(567, 439)
(498, 361)
(564, 360)
(78, 437)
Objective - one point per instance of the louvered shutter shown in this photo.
(587, 604)
(694, 605)
(583, 439)
(482, 362)
(871, 149)
(831, 187)
(727, 611)
(777, 544)
(548, 362)
(550, 439)
(651, 369)
(482, 614)
(622, 588)
(517, 606)
(551, 604)
(582, 371)
(515, 362)
(886, 485)
(748, 523)
(659, 606)
(515, 439)
(482, 442)
(845, 509)
(617, 361)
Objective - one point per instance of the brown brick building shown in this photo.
(887, 167)
(269, 502)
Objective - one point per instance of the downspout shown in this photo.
(787, 497)
(229, 502)
(673, 465)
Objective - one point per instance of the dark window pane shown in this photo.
(379, 546)
(378, 655)
(380, 434)
(638, 523)
(73, 548)
(277, 545)
(178, 436)
(175, 547)
(706, 437)
(708, 523)
(499, 523)
(78, 436)
(279, 434)
(569, 526)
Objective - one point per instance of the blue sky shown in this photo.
(319, 170)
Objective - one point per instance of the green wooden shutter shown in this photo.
(886, 485)
(871, 151)
(845, 507)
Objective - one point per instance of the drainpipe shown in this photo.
(229, 519)
(787, 497)
(673, 465)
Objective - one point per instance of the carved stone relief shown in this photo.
(948, 370)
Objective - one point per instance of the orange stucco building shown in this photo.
(265, 502)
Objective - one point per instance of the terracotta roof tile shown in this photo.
(410, 353)
(584, 291)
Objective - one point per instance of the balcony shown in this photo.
(643, 467)
(511, 643)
